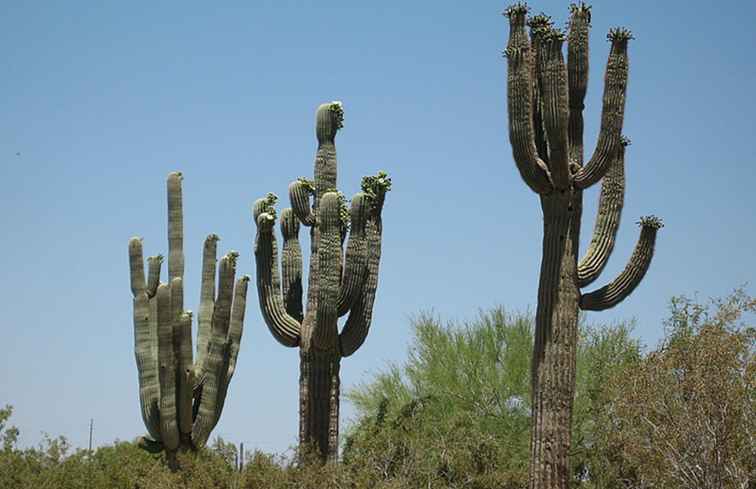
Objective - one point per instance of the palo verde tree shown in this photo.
(182, 398)
(339, 283)
(545, 105)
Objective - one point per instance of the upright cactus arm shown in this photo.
(184, 373)
(615, 292)
(552, 77)
(577, 75)
(355, 259)
(538, 24)
(213, 373)
(329, 266)
(153, 274)
(291, 265)
(613, 111)
(146, 355)
(300, 191)
(520, 100)
(282, 326)
(175, 227)
(207, 301)
(358, 323)
(233, 341)
(166, 370)
(607, 222)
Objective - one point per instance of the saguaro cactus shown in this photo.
(338, 283)
(182, 398)
(545, 105)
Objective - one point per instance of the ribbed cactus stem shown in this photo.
(181, 400)
(545, 105)
(338, 283)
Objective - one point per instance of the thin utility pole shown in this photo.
(91, 426)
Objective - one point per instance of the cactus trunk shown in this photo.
(339, 282)
(545, 105)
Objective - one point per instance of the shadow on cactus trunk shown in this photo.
(182, 397)
(340, 281)
(545, 105)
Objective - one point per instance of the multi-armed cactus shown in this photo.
(339, 283)
(545, 104)
(182, 398)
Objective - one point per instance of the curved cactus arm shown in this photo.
(300, 191)
(355, 259)
(612, 113)
(358, 323)
(212, 370)
(166, 370)
(538, 24)
(175, 227)
(520, 100)
(577, 75)
(607, 223)
(146, 358)
(282, 326)
(207, 300)
(329, 268)
(233, 341)
(291, 264)
(150, 445)
(552, 77)
(612, 294)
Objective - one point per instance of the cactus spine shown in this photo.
(339, 282)
(182, 398)
(545, 105)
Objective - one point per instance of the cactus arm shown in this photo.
(207, 415)
(537, 23)
(577, 76)
(612, 113)
(552, 76)
(291, 264)
(299, 196)
(151, 446)
(146, 361)
(153, 274)
(615, 292)
(207, 298)
(233, 341)
(358, 323)
(329, 259)
(185, 372)
(282, 326)
(166, 370)
(607, 223)
(520, 102)
(355, 266)
(175, 227)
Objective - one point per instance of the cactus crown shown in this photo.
(307, 184)
(650, 222)
(518, 8)
(377, 185)
(233, 256)
(268, 204)
(549, 33)
(540, 21)
(581, 10)
(337, 110)
(619, 34)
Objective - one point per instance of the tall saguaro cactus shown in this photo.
(339, 282)
(545, 105)
(182, 398)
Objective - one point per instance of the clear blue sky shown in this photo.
(103, 99)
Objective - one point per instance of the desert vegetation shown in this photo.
(456, 414)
